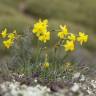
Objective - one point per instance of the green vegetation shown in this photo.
(79, 15)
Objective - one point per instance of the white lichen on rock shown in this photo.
(79, 86)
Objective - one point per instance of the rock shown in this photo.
(55, 88)
(76, 75)
(75, 87)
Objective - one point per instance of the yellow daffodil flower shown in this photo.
(63, 32)
(45, 37)
(61, 35)
(40, 27)
(82, 38)
(8, 43)
(69, 46)
(4, 33)
(12, 35)
(72, 37)
(64, 29)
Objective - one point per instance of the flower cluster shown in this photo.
(69, 39)
(40, 30)
(8, 39)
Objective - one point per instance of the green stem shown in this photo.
(37, 59)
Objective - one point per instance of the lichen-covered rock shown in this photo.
(79, 86)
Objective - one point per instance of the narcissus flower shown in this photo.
(45, 37)
(61, 35)
(4, 33)
(63, 32)
(9, 38)
(8, 43)
(40, 27)
(72, 37)
(40, 30)
(82, 38)
(12, 35)
(69, 46)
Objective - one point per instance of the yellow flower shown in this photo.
(64, 29)
(45, 37)
(72, 37)
(82, 38)
(46, 65)
(40, 27)
(69, 46)
(63, 32)
(4, 33)
(12, 35)
(61, 35)
(8, 43)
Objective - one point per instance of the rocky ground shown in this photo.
(80, 85)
